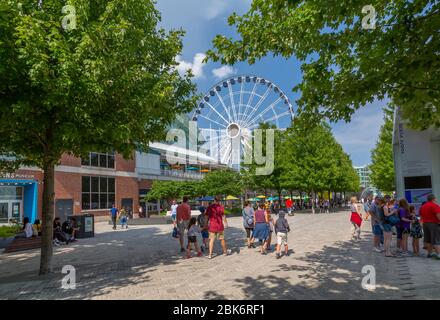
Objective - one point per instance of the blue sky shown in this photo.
(204, 19)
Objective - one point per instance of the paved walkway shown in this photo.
(143, 263)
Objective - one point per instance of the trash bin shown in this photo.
(86, 226)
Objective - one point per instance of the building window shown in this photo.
(97, 193)
(100, 160)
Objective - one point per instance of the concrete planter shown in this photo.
(4, 242)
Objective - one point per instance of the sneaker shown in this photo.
(430, 255)
(377, 250)
(228, 252)
(209, 257)
(55, 243)
(278, 256)
(436, 256)
(202, 248)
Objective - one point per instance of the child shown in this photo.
(416, 230)
(202, 221)
(193, 230)
(281, 229)
(123, 218)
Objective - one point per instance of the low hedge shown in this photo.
(8, 231)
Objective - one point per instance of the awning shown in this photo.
(231, 198)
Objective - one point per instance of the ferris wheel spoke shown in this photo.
(213, 109)
(209, 119)
(224, 106)
(251, 98)
(241, 100)
(227, 152)
(247, 119)
(276, 117)
(231, 97)
(270, 107)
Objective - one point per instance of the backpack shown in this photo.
(392, 220)
(249, 219)
(175, 233)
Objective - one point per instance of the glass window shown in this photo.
(95, 184)
(85, 161)
(85, 201)
(95, 201)
(103, 185)
(111, 161)
(111, 185)
(85, 184)
(103, 161)
(103, 201)
(111, 200)
(94, 160)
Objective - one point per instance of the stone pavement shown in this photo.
(143, 262)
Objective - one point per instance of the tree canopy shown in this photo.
(106, 82)
(382, 160)
(344, 65)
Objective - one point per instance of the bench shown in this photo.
(23, 244)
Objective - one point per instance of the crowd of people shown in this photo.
(390, 217)
(211, 223)
(64, 233)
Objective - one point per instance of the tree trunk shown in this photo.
(313, 202)
(47, 218)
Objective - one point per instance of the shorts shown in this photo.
(377, 230)
(281, 238)
(205, 234)
(386, 227)
(249, 232)
(401, 231)
(181, 226)
(192, 239)
(173, 217)
(431, 231)
(217, 235)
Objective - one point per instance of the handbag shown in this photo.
(393, 220)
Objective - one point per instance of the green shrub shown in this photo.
(8, 231)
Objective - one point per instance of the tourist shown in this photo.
(203, 223)
(123, 218)
(174, 206)
(271, 230)
(403, 228)
(69, 229)
(193, 231)
(58, 235)
(27, 231)
(140, 211)
(248, 223)
(114, 215)
(416, 232)
(327, 206)
(261, 229)
(289, 205)
(372, 209)
(274, 207)
(386, 207)
(430, 216)
(37, 227)
(355, 219)
(183, 215)
(217, 223)
(281, 229)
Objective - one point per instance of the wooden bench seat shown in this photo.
(23, 244)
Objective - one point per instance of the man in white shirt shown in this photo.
(174, 212)
(27, 229)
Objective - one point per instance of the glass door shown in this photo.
(4, 212)
(16, 211)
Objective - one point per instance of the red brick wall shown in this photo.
(127, 188)
(125, 165)
(67, 160)
(68, 186)
(145, 184)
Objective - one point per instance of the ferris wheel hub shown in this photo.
(233, 130)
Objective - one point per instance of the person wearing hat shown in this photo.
(281, 229)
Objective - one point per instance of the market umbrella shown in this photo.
(253, 199)
(231, 198)
(192, 168)
(261, 197)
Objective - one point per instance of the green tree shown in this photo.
(315, 162)
(222, 182)
(108, 83)
(344, 65)
(163, 190)
(382, 160)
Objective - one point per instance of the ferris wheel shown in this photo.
(232, 109)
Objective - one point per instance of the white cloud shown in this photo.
(224, 72)
(196, 66)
